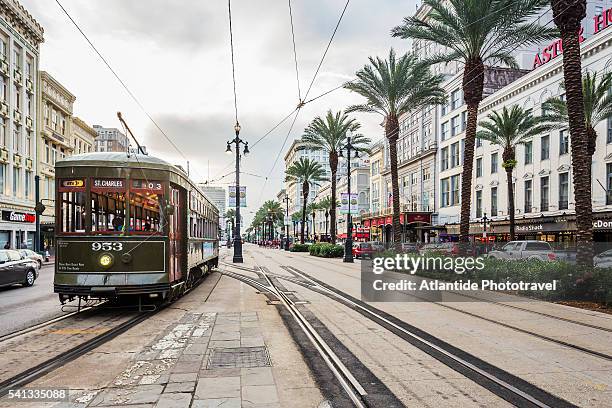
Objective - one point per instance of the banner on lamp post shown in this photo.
(287, 220)
(232, 196)
(344, 204)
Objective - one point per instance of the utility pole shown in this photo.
(287, 223)
(348, 244)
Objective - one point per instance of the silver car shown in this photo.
(531, 249)
(29, 254)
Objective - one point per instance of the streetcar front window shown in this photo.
(107, 212)
(72, 212)
(145, 213)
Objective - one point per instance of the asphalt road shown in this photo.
(22, 307)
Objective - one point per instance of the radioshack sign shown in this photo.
(554, 49)
(15, 216)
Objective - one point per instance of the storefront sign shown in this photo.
(15, 216)
(553, 50)
(602, 224)
(110, 184)
(530, 228)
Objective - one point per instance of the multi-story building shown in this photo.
(543, 178)
(295, 152)
(453, 118)
(110, 140)
(20, 39)
(54, 143)
(217, 195)
(83, 137)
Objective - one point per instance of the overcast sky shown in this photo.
(175, 57)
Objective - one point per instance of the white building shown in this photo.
(543, 179)
(20, 39)
(295, 152)
(110, 140)
(217, 195)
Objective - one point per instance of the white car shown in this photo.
(531, 249)
(603, 260)
(29, 254)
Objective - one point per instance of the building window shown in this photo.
(444, 188)
(609, 184)
(494, 163)
(456, 99)
(544, 194)
(2, 132)
(454, 190)
(563, 191)
(479, 167)
(479, 204)
(444, 158)
(28, 184)
(28, 144)
(454, 155)
(545, 147)
(3, 88)
(16, 176)
(493, 201)
(464, 120)
(528, 152)
(609, 137)
(426, 174)
(444, 132)
(563, 142)
(16, 140)
(528, 195)
(478, 142)
(455, 126)
(2, 178)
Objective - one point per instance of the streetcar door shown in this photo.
(176, 234)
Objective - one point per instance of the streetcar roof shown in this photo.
(116, 159)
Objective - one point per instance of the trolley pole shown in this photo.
(237, 237)
(287, 224)
(348, 244)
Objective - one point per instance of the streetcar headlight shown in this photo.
(105, 260)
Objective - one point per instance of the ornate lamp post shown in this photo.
(348, 244)
(326, 221)
(237, 238)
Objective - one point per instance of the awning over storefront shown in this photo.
(409, 217)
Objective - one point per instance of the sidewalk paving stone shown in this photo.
(218, 387)
(217, 403)
(178, 400)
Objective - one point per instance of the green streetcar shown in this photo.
(130, 225)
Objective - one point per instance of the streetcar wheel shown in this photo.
(30, 278)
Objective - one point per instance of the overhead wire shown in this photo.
(229, 10)
(297, 72)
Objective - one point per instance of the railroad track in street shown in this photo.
(595, 353)
(353, 389)
(503, 384)
(45, 367)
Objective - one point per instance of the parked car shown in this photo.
(363, 250)
(603, 260)
(28, 253)
(531, 249)
(16, 269)
(445, 248)
(410, 247)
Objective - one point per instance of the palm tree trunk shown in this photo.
(473, 83)
(511, 209)
(568, 15)
(392, 133)
(305, 191)
(333, 164)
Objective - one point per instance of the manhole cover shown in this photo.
(240, 357)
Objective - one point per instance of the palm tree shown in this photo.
(475, 33)
(326, 204)
(230, 215)
(392, 88)
(568, 16)
(513, 127)
(307, 172)
(597, 108)
(312, 209)
(329, 134)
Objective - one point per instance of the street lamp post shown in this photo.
(237, 238)
(287, 224)
(348, 244)
(326, 219)
(484, 231)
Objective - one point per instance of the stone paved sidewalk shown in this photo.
(205, 360)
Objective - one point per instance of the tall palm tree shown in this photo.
(597, 108)
(307, 172)
(568, 16)
(329, 134)
(230, 215)
(513, 127)
(475, 33)
(392, 88)
(312, 209)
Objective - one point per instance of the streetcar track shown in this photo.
(594, 353)
(503, 384)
